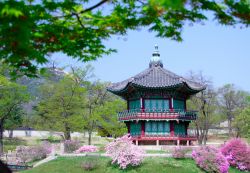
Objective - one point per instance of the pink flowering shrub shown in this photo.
(210, 159)
(237, 153)
(86, 148)
(70, 146)
(32, 153)
(179, 152)
(124, 153)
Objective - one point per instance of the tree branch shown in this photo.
(78, 19)
(94, 6)
(83, 11)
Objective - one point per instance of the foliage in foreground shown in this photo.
(237, 153)
(31, 30)
(124, 153)
(210, 159)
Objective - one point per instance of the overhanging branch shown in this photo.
(94, 6)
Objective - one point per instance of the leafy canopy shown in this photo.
(12, 97)
(31, 30)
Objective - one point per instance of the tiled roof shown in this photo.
(155, 77)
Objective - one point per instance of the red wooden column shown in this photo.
(143, 129)
(171, 128)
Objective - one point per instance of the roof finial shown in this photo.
(155, 59)
(156, 47)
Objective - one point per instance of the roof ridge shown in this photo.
(171, 74)
(143, 73)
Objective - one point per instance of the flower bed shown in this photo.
(237, 153)
(87, 148)
(210, 159)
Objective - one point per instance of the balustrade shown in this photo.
(157, 114)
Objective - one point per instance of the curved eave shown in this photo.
(120, 91)
(194, 90)
(188, 88)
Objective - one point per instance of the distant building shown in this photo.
(156, 105)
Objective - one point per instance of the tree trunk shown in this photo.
(67, 132)
(205, 137)
(229, 127)
(198, 135)
(10, 133)
(1, 136)
(90, 137)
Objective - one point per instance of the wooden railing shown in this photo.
(164, 137)
(140, 114)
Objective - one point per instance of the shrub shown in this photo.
(237, 153)
(124, 153)
(89, 164)
(87, 148)
(32, 153)
(53, 139)
(70, 146)
(179, 152)
(210, 159)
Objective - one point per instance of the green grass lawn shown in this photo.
(150, 165)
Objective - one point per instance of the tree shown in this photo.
(31, 30)
(100, 106)
(96, 97)
(205, 103)
(61, 105)
(14, 120)
(242, 123)
(109, 125)
(231, 102)
(12, 97)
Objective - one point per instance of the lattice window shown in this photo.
(179, 129)
(160, 105)
(134, 104)
(179, 104)
(157, 128)
(135, 129)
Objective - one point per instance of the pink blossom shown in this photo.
(237, 153)
(210, 159)
(124, 153)
(86, 148)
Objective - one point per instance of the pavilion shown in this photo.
(156, 105)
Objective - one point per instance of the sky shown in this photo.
(221, 53)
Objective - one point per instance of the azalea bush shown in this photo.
(32, 153)
(124, 153)
(89, 164)
(71, 145)
(210, 159)
(87, 148)
(180, 152)
(237, 153)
